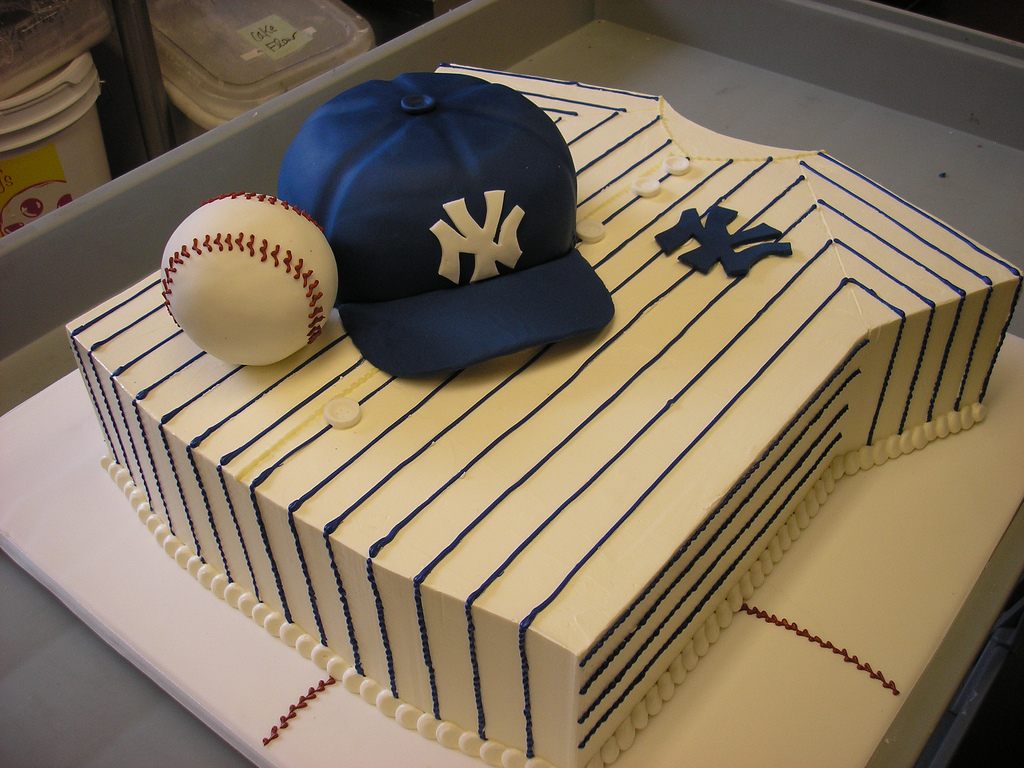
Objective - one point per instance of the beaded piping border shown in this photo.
(495, 753)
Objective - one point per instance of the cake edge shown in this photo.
(495, 753)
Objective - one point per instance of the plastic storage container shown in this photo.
(51, 146)
(37, 37)
(222, 58)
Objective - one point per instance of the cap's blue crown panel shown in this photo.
(434, 190)
(377, 175)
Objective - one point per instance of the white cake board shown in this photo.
(906, 566)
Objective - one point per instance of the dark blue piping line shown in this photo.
(593, 128)
(1005, 265)
(628, 664)
(551, 80)
(717, 533)
(612, 149)
(983, 278)
(1002, 338)
(114, 308)
(704, 600)
(960, 292)
(683, 548)
(528, 620)
(927, 330)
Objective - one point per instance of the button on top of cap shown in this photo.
(418, 103)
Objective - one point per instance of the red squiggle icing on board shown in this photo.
(771, 618)
(294, 708)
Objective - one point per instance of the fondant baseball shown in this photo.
(249, 278)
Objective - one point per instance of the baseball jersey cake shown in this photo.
(523, 548)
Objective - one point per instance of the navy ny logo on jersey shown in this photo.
(717, 245)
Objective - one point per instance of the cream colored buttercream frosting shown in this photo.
(522, 559)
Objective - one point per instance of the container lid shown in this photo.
(228, 57)
(37, 38)
(69, 86)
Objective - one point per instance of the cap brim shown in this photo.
(453, 328)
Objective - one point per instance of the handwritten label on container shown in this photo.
(274, 37)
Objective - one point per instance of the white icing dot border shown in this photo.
(495, 753)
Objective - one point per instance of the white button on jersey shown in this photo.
(342, 412)
(677, 165)
(590, 231)
(646, 186)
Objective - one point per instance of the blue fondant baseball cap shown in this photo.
(450, 203)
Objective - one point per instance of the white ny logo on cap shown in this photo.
(485, 243)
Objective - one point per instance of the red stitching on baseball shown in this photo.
(317, 315)
(265, 199)
(168, 280)
(219, 241)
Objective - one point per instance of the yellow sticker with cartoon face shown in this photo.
(31, 183)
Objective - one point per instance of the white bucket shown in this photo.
(51, 145)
